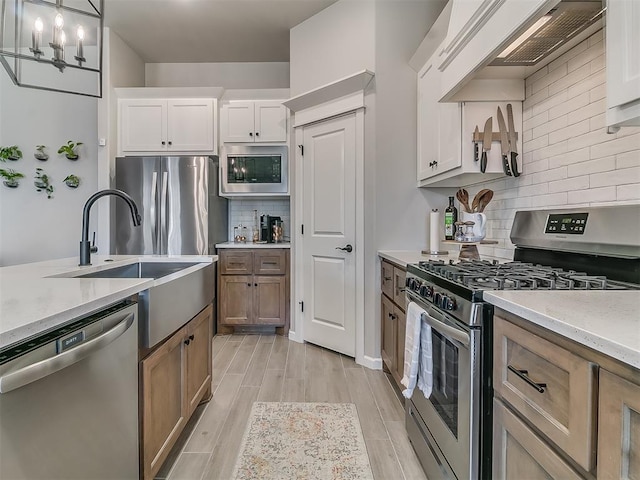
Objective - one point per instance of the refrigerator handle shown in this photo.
(154, 211)
(163, 213)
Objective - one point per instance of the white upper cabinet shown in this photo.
(254, 121)
(439, 125)
(175, 125)
(478, 31)
(623, 62)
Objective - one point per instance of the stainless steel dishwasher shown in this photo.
(69, 400)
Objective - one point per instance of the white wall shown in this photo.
(568, 158)
(122, 67)
(35, 228)
(227, 75)
(381, 36)
(332, 44)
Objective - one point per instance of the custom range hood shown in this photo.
(563, 24)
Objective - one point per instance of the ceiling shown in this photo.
(185, 31)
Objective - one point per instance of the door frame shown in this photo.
(296, 331)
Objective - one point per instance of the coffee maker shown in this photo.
(266, 227)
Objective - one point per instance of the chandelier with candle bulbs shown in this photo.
(36, 35)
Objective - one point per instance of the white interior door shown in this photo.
(329, 212)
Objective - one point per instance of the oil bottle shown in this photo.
(450, 218)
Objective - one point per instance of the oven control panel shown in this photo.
(566, 223)
(430, 293)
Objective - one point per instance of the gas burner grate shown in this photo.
(491, 275)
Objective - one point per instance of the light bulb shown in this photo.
(59, 21)
(38, 25)
(80, 32)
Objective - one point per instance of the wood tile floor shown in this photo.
(271, 368)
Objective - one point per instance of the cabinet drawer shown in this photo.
(236, 262)
(269, 262)
(386, 279)
(519, 453)
(398, 285)
(564, 408)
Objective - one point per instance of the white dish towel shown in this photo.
(412, 348)
(418, 353)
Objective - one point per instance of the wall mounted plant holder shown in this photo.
(72, 181)
(43, 183)
(10, 177)
(10, 153)
(69, 150)
(40, 154)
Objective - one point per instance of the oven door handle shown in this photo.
(456, 334)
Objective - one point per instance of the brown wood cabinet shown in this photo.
(561, 410)
(175, 377)
(393, 320)
(618, 428)
(254, 288)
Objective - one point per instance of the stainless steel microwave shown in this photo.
(253, 169)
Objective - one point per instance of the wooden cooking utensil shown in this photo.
(476, 199)
(463, 197)
(484, 200)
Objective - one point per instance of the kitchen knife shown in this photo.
(476, 134)
(513, 142)
(487, 137)
(504, 143)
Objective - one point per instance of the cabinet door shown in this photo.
(401, 330)
(439, 127)
(386, 280)
(388, 334)
(236, 299)
(164, 405)
(198, 341)
(237, 123)
(549, 386)
(518, 453)
(269, 300)
(618, 428)
(270, 262)
(143, 125)
(270, 121)
(399, 276)
(236, 262)
(190, 125)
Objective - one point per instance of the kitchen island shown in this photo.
(36, 297)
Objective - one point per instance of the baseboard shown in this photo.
(295, 337)
(374, 363)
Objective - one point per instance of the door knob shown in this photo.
(348, 248)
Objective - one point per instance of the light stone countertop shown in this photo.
(253, 245)
(605, 321)
(36, 297)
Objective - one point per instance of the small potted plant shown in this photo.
(43, 183)
(72, 181)
(40, 154)
(69, 150)
(11, 177)
(10, 153)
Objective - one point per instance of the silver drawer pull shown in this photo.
(524, 375)
(386, 279)
(270, 263)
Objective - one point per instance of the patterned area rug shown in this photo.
(303, 441)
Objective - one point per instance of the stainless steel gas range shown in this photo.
(585, 248)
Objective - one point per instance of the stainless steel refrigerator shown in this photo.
(182, 213)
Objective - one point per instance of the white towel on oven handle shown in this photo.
(412, 348)
(425, 369)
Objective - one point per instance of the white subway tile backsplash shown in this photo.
(591, 166)
(628, 159)
(241, 212)
(628, 192)
(602, 194)
(616, 145)
(572, 78)
(568, 158)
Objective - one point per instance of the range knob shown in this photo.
(437, 299)
(424, 291)
(448, 303)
